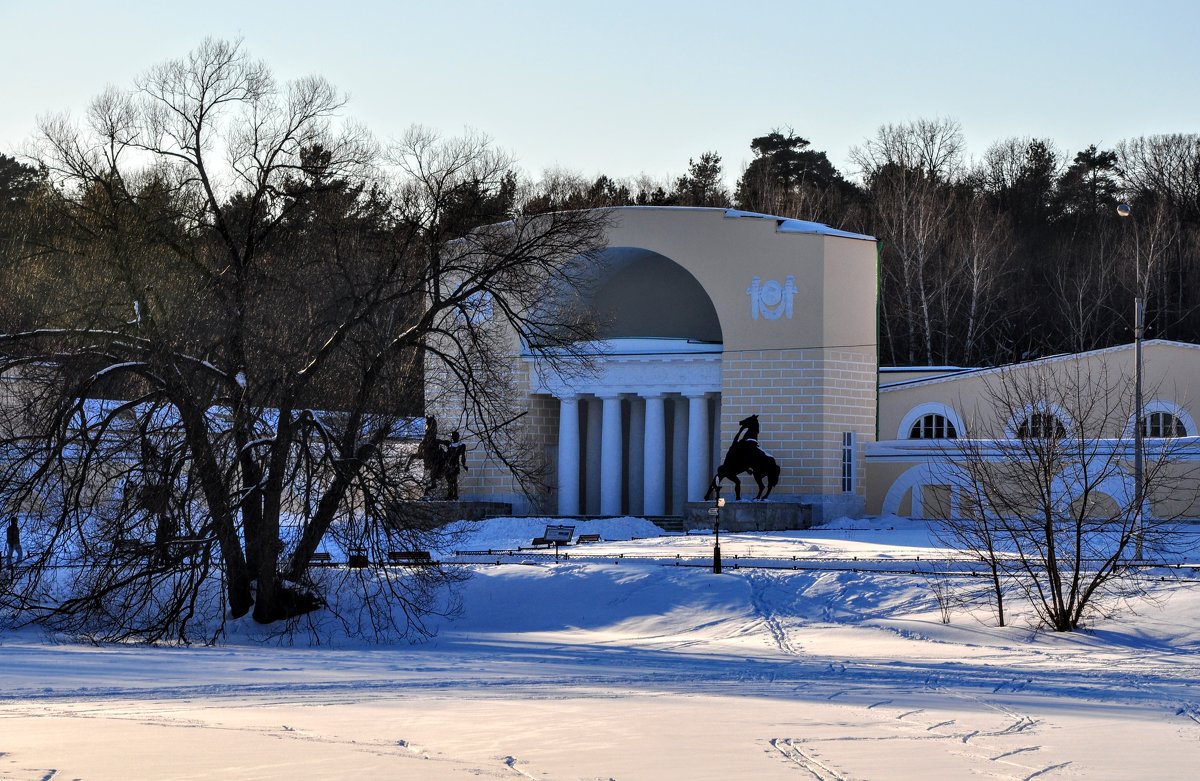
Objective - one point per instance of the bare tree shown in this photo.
(980, 253)
(260, 290)
(908, 170)
(1052, 507)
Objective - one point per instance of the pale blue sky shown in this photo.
(624, 87)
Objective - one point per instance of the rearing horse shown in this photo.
(745, 455)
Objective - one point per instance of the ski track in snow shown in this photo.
(985, 706)
(764, 588)
(820, 771)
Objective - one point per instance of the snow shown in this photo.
(619, 662)
(507, 533)
(789, 225)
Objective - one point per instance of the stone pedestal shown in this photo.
(750, 516)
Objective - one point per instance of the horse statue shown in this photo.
(746, 455)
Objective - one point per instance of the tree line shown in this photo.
(1015, 255)
(982, 262)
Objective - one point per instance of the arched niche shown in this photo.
(640, 293)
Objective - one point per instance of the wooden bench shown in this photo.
(321, 558)
(581, 539)
(555, 535)
(409, 557)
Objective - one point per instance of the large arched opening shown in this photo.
(639, 431)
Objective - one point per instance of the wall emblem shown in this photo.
(770, 299)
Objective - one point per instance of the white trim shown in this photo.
(930, 408)
(929, 473)
(1041, 407)
(679, 366)
(1162, 405)
(1065, 490)
(1068, 487)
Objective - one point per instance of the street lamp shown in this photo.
(1139, 332)
(715, 512)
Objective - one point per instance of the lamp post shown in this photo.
(1139, 332)
(715, 512)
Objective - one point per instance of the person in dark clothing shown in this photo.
(14, 543)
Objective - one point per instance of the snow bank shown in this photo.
(507, 533)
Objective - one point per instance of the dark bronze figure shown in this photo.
(746, 455)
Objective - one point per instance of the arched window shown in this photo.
(1163, 424)
(931, 420)
(932, 426)
(1041, 425)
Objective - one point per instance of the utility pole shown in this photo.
(1139, 333)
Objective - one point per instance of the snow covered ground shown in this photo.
(621, 663)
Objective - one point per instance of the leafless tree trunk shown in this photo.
(261, 287)
(908, 169)
(1052, 508)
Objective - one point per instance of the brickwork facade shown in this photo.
(536, 434)
(806, 400)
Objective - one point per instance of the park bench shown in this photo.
(554, 535)
(581, 539)
(409, 557)
(320, 558)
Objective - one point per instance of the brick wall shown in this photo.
(804, 399)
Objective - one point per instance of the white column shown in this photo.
(679, 456)
(718, 454)
(611, 457)
(568, 456)
(698, 477)
(654, 459)
(591, 463)
(637, 438)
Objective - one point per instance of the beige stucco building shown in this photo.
(709, 316)
(927, 416)
(712, 315)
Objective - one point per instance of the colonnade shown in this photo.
(635, 453)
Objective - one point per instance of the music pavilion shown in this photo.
(712, 315)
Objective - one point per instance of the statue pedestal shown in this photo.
(750, 516)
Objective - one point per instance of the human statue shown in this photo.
(430, 453)
(443, 459)
(746, 455)
(455, 459)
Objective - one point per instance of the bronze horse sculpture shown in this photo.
(746, 455)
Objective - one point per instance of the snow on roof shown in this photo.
(636, 345)
(788, 225)
(783, 224)
(1036, 361)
